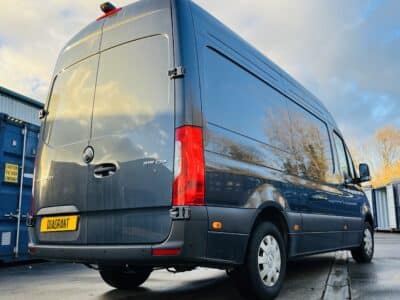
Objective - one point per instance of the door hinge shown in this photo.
(180, 213)
(43, 113)
(30, 220)
(176, 72)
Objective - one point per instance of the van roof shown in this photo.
(287, 83)
(88, 42)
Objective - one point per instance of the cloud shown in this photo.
(31, 37)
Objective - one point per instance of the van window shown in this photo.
(237, 100)
(70, 104)
(311, 144)
(344, 168)
(132, 90)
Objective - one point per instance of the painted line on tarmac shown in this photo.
(338, 284)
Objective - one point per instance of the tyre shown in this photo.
(124, 278)
(263, 273)
(365, 252)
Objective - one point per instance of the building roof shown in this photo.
(21, 98)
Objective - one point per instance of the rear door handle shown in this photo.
(104, 170)
(319, 197)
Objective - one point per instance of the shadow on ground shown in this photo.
(305, 280)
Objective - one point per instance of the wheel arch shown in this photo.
(274, 213)
(369, 219)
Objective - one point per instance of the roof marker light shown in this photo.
(108, 9)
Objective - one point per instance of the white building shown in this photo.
(20, 107)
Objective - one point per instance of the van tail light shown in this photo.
(188, 188)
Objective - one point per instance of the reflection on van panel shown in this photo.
(205, 153)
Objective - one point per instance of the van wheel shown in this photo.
(124, 278)
(365, 252)
(263, 273)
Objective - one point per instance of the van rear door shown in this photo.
(61, 174)
(131, 175)
(109, 135)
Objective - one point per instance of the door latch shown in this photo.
(176, 72)
(105, 170)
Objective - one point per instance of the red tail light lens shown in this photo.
(165, 252)
(189, 175)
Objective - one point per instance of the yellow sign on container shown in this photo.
(11, 173)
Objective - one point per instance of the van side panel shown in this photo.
(248, 162)
(242, 173)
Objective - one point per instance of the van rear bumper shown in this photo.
(190, 236)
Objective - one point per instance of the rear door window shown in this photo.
(70, 104)
(133, 87)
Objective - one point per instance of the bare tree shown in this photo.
(388, 139)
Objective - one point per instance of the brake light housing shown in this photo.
(189, 168)
(108, 9)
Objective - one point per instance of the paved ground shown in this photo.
(306, 279)
(381, 279)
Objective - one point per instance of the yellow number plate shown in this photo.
(64, 223)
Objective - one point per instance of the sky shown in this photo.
(346, 52)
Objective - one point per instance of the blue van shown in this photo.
(168, 141)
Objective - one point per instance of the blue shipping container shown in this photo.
(17, 156)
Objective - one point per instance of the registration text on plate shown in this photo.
(61, 223)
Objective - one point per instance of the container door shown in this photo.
(382, 209)
(62, 173)
(11, 144)
(396, 187)
(32, 133)
(14, 240)
(130, 177)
